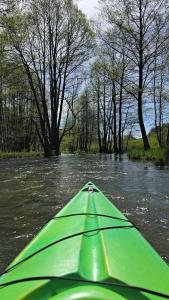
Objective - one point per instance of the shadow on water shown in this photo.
(33, 190)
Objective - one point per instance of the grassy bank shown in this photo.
(156, 154)
(20, 154)
(135, 151)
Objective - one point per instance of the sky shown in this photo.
(89, 7)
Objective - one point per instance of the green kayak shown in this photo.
(89, 250)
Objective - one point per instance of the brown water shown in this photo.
(33, 190)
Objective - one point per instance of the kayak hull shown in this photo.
(89, 250)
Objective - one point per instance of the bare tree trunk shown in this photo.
(86, 124)
(98, 117)
(120, 113)
(161, 113)
(140, 91)
(114, 117)
(104, 118)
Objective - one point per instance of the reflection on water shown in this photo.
(33, 190)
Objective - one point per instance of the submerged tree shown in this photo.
(53, 40)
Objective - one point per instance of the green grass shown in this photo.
(67, 146)
(94, 148)
(135, 151)
(156, 154)
(23, 154)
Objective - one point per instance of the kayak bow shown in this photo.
(89, 250)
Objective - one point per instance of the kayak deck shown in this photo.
(89, 250)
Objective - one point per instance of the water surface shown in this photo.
(33, 190)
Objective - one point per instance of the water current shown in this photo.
(33, 190)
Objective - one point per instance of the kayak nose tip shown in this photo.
(89, 183)
(90, 187)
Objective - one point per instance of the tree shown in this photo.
(143, 25)
(106, 98)
(53, 40)
(17, 132)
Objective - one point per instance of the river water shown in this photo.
(33, 190)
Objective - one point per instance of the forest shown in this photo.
(69, 84)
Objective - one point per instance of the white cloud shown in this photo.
(89, 7)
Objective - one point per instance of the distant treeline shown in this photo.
(67, 83)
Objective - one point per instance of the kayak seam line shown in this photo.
(63, 239)
(104, 251)
(92, 214)
(141, 289)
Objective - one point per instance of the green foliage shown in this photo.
(67, 144)
(15, 28)
(156, 154)
(94, 148)
(20, 154)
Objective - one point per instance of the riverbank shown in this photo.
(135, 151)
(23, 154)
(156, 154)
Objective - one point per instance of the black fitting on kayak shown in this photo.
(90, 189)
(110, 284)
